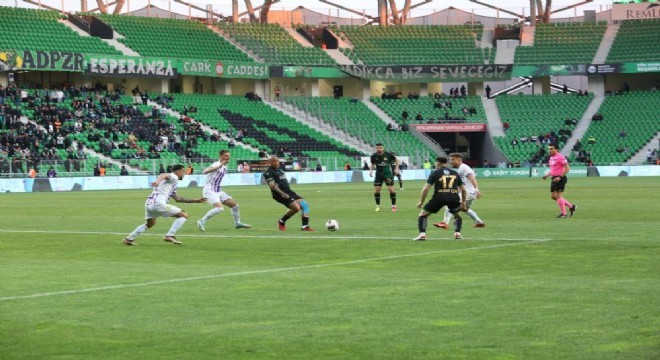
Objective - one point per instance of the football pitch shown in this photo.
(527, 286)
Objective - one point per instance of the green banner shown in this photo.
(524, 172)
(228, 69)
(313, 72)
(549, 70)
(12, 60)
(430, 73)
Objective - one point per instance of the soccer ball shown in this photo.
(332, 225)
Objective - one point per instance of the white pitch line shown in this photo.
(253, 272)
(220, 236)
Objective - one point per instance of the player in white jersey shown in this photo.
(156, 206)
(470, 180)
(215, 196)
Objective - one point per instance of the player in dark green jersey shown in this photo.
(386, 166)
(279, 187)
(447, 185)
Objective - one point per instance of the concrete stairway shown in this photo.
(487, 38)
(320, 125)
(204, 127)
(340, 58)
(505, 55)
(299, 38)
(495, 126)
(112, 42)
(427, 140)
(235, 43)
(527, 38)
(606, 44)
(583, 124)
(640, 157)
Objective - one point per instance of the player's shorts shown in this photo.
(286, 202)
(471, 196)
(380, 179)
(559, 185)
(435, 204)
(213, 197)
(154, 211)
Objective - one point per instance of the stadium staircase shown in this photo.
(299, 38)
(606, 44)
(46, 33)
(583, 124)
(505, 55)
(495, 126)
(535, 115)
(294, 108)
(172, 38)
(561, 43)
(339, 57)
(640, 157)
(112, 42)
(238, 45)
(527, 37)
(413, 44)
(636, 113)
(636, 41)
(486, 45)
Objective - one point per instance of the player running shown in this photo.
(559, 168)
(157, 206)
(446, 184)
(469, 179)
(279, 187)
(215, 196)
(383, 162)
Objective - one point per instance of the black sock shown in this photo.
(285, 218)
(400, 183)
(458, 223)
(393, 198)
(377, 197)
(421, 223)
(305, 221)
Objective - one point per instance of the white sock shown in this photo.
(176, 225)
(474, 216)
(213, 212)
(236, 214)
(139, 230)
(448, 216)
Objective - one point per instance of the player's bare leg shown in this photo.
(181, 219)
(130, 239)
(294, 207)
(444, 224)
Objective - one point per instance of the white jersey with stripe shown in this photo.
(214, 178)
(464, 171)
(162, 193)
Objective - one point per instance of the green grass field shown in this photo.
(528, 286)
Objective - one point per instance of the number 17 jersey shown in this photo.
(446, 184)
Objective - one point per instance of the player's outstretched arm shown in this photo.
(180, 199)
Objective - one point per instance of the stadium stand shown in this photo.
(412, 44)
(173, 38)
(562, 43)
(274, 45)
(430, 112)
(45, 33)
(635, 114)
(358, 120)
(636, 42)
(534, 121)
(264, 127)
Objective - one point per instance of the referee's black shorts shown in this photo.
(558, 185)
